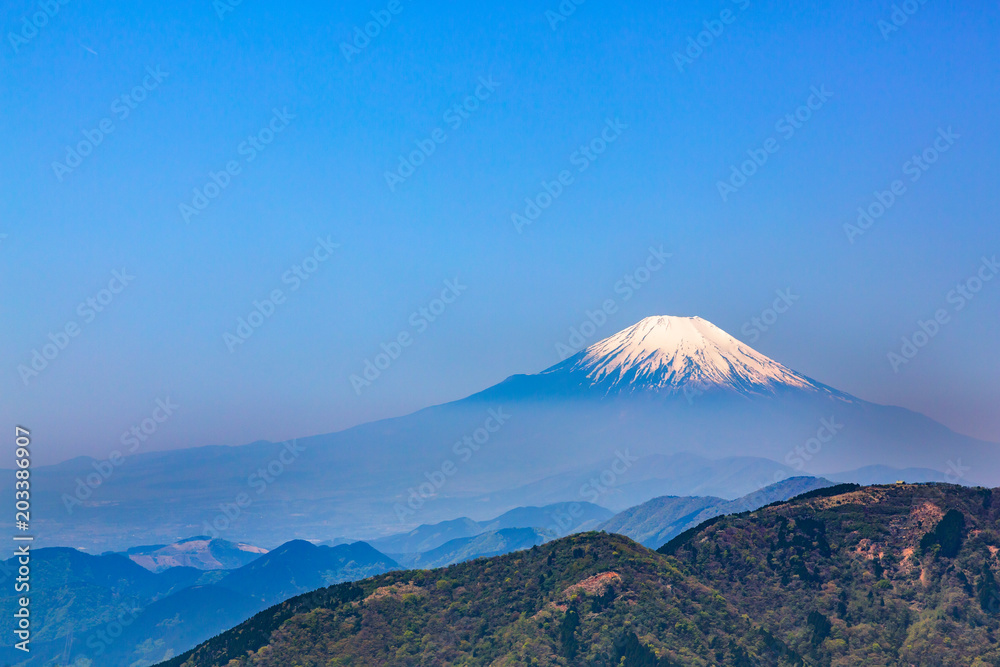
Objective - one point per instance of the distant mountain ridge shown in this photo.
(886, 575)
(557, 518)
(483, 545)
(78, 598)
(665, 387)
(655, 522)
(202, 552)
(299, 565)
(181, 606)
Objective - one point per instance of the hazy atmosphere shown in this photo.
(560, 333)
(536, 90)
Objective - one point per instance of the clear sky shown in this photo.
(309, 129)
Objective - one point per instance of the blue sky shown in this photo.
(266, 72)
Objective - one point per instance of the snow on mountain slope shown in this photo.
(670, 355)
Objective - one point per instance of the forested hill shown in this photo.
(582, 600)
(884, 575)
(889, 575)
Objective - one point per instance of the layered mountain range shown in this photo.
(613, 425)
(888, 575)
(146, 605)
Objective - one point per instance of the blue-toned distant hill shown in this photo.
(203, 553)
(299, 566)
(490, 543)
(558, 519)
(111, 611)
(169, 626)
(73, 592)
(428, 536)
(655, 522)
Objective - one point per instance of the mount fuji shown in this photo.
(678, 354)
(668, 356)
(668, 406)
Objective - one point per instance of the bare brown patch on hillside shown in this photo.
(925, 516)
(395, 591)
(868, 550)
(595, 585)
(869, 496)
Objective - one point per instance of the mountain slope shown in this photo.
(110, 610)
(559, 518)
(427, 536)
(170, 626)
(201, 552)
(655, 522)
(588, 599)
(687, 355)
(75, 592)
(786, 489)
(299, 566)
(658, 475)
(490, 543)
(891, 575)
(895, 575)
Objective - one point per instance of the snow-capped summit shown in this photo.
(667, 354)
